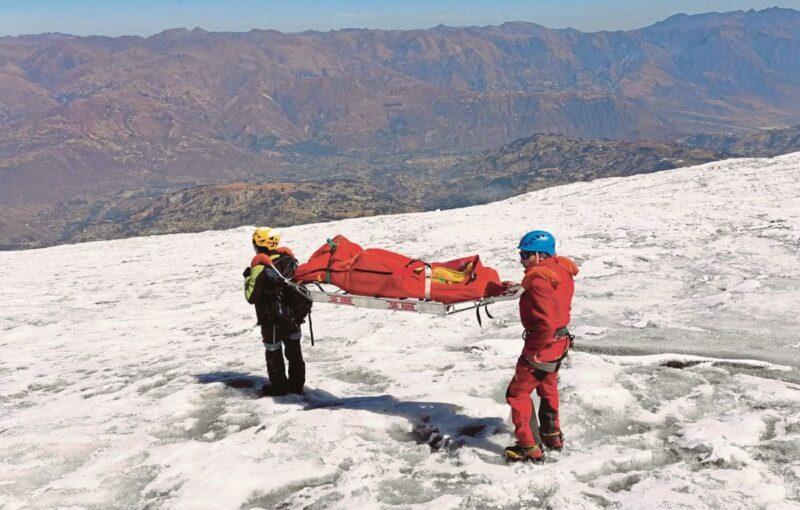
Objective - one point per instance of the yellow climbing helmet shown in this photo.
(266, 237)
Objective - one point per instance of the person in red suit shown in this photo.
(544, 308)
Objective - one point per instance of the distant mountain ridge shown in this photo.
(387, 185)
(99, 115)
(545, 160)
(767, 143)
(367, 185)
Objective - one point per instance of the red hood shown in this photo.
(542, 270)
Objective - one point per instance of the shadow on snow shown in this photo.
(438, 424)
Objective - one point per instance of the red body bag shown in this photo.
(381, 273)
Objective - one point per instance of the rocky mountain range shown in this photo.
(390, 184)
(100, 114)
(765, 143)
(366, 184)
(545, 160)
(218, 207)
(99, 130)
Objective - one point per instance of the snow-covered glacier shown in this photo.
(129, 369)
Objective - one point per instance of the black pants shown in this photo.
(275, 337)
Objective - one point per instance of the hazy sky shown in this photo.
(146, 17)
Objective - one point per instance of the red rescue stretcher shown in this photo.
(383, 280)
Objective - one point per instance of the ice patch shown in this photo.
(739, 430)
(589, 331)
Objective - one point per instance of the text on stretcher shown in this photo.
(406, 307)
(341, 300)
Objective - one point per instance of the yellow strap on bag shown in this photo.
(446, 275)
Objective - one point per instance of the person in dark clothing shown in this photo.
(278, 311)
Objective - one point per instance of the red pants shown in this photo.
(526, 379)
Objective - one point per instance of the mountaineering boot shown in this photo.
(553, 440)
(518, 453)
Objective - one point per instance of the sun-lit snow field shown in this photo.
(129, 369)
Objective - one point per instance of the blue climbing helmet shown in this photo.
(538, 241)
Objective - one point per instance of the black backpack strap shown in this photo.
(311, 329)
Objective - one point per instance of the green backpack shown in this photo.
(250, 277)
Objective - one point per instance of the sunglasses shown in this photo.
(525, 255)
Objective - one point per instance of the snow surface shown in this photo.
(128, 369)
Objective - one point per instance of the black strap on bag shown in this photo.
(478, 313)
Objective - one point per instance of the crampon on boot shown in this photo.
(553, 440)
(518, 453)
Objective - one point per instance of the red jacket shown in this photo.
(545, 305)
